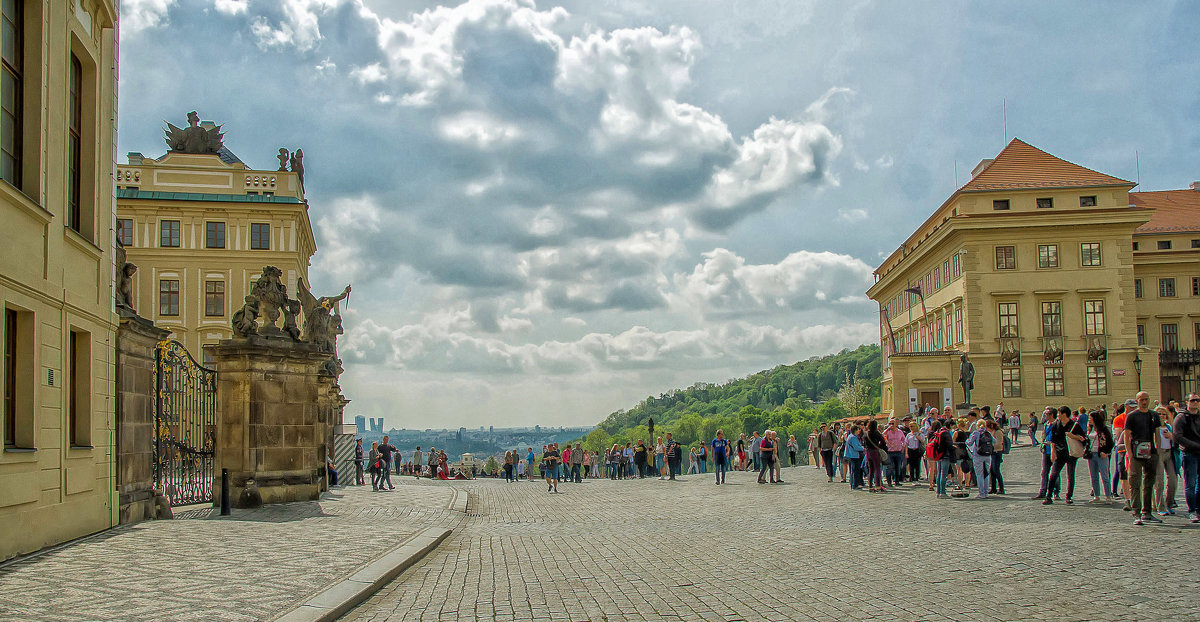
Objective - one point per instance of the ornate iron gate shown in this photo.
(185, 426)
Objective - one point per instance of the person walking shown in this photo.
(1014, 427)
(702, 456)
(1062, 432)
(766, 459)
(639, 459)
(693, 466)
(826, 442)
(385, 452)
(432, 462)
(1164, 487)
(1141, 447)
(359, 460)
(1100, 447)
(1187, 437)
(416, 462)
(529, 459)
(660, 458)
(508, 467)
(756, 450)
(720, 450)
(1002, 446)
(374, 462)
(793, 447)
(913, 444)
(1033, 425)
(941, 454)
(577, 463)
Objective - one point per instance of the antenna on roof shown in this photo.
(1004, 114)
(956, 174)
(1137, 162)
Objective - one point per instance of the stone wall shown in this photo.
(136, 342)
(271, 428)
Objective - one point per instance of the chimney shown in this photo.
(136, 157)
(982, 165)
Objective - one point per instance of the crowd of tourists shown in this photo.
(1133, 451)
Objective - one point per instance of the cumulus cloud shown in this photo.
(139, 15)
(231, 7)
(804, 280)
(293, 23)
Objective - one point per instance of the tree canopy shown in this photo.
(790, 399)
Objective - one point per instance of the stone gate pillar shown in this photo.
(137, 339)
(270, 433)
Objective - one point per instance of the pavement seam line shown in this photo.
(338, 598)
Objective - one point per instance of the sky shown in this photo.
(550, 211)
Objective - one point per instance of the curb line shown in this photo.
(339, 598)
(458, 502)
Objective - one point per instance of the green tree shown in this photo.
(491, 465)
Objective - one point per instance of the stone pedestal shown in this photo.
(270, 433)
(137, 338)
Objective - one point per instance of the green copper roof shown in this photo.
(130, 193)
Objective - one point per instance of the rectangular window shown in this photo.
(1196, 328)
(1166, 288)
(260, 236)
(1196, 286)
(1045, 203)
(937, 278)
(957, 266)
(1088, 201)
(1137, 288)
(949, 340)
(12, 91)
(79, 390)
(1135, 246)
(1141, 334)
(1054, 381)
(125, 231)
(75, 145)
(946, 271)
(1093, 317)
(1006, 258)
(928, 285)
(214, 235)
(1196, 243)
(168, 234)
(214, 298)
(1010, 382)
(1008, 319)
(10, 368)
(1089, 254)
(1170, 337)
(1052, 319)
(1047, 255)
(958, 326)
(168, 297)
(1000, 204)
(938, 334)
(1097, 380)
(1164, 245)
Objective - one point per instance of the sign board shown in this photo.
(912, 400)
(1118, 372)
(947, 397)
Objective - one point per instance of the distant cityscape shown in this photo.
(483, 441)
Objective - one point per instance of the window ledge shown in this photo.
(76, 238)
(82, 447)
(14, 195)
(19, 450)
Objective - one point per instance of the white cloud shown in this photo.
(725, 283)
(852, 215)
(231, 7)
(369, 74)
(139, 15)
(297, 27)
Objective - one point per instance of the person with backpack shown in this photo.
(940, 452)
(1061, 433)
(1187, 438)
(853, 458)
(1001, 447)
(981, 446)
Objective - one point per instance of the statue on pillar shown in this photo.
(245, 320)
(271, 301)
(124, 293)
(966, 378)
(318, 325)
(283, 159)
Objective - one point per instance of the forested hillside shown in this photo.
(790, 399)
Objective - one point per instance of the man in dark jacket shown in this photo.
(1187, 436)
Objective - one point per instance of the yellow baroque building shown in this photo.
(56, 271)
(1061, 286)
(200, 228)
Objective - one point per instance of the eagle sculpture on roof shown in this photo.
(194, 138)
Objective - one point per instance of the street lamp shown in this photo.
(1137, 367)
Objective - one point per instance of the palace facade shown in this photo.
(1059, 284)
(200, 227)
(56, 271)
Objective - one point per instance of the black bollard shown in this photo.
(225, 492)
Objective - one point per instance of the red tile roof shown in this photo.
(1174, 210)
(1023, 166)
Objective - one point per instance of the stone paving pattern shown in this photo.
(253, 565)
(804, 550)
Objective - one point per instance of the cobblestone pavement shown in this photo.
(251, 566)
(804, 550)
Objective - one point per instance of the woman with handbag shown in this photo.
(875, 446)
(1100, 447)
(374, 460)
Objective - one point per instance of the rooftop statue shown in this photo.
(194, 138)
(283, 159)
(319, 328)
(298, 165)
